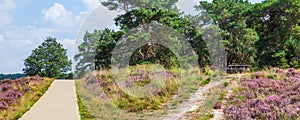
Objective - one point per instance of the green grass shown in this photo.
(83, 111)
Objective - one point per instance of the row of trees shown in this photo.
(262, 34)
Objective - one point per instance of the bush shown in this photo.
(205, 82)
(225, 84)
(271, 76)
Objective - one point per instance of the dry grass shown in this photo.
(27, 101)
(100, 97)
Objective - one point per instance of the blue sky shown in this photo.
(24, 24)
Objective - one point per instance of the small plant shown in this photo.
(208, 116)
(205, 82)
(222, 95)
(225, 84)
(19, 115)
(271, 76)
(214, 74)
(207, 71)
(218, 105)
(84, 113)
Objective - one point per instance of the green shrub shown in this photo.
(205, 82)
(214, 74)
(225, 84)
(271, 76)
(207, 71)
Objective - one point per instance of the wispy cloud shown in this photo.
(5, 7)
(91, 4)
(20, 41)
(1, 38)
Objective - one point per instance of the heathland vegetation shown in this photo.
(18, 96)
(262, 35)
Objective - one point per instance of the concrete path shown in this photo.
(58, 103)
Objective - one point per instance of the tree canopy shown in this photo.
(48, 60)
(262, 34)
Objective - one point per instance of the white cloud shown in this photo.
(29, 37)
(5, 7)
(19, 42)
(1, 38)
(69, 45)
(91, 4)
(6, 19)
(60, 16)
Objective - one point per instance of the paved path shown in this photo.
(58, 103)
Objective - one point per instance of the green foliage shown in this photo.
(266, 33)
(271, 76)
(238, 38)
(106, 43)
(48, 60)
(86, 53)
(96, 50)
(84, 113)
(128, 5)
(207, 71)
(262, 34)
(205, 81)
(277, 22)
(225, 84)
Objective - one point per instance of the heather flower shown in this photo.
(265, 98)
(218, 105)
(3, 105)
(259, 75)
(13, 90)
(278, 70)
(6, 87)
(291, 71)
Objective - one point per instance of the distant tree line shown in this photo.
(11, 76)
